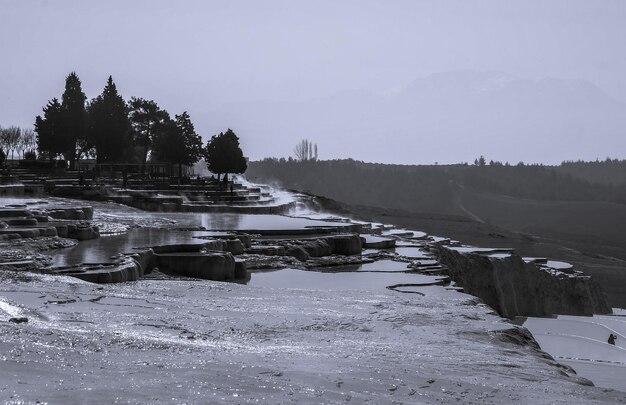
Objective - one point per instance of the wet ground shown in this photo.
(289, 336)
(200, 341)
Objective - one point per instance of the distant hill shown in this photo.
(604, 171)
(434, 188)
(446, 117)
(538, 200)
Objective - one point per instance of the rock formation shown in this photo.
(514, 287)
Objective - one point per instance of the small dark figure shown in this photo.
(198, 179)
(81, 180)
(124, 177)
(225, 181)
(612, 338)
(231, 188)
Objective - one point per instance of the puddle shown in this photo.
(226, 221)
(417, 288)
(101, 249)
(472, 249)
(553, 264)
(380, 266)
(314, 280)
(412, 253)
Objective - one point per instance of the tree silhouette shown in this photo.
(10, 138)
(73, 117)
(27, 141)
(305, 150)
(144, 115)
(109, 129)
(223, 154)
(480, 161)
(176, 142)
(49, 129)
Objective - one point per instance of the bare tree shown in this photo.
(305, 150)
(10, 138)
(28, 141)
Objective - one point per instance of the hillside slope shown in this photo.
(583, 227)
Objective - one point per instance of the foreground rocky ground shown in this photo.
(170, 339)
(190, 341)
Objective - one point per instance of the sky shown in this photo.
(199, 56)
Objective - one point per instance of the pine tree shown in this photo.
(73, 117)
(109, 128)
(49, 129)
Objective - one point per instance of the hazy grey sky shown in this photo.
(199, 55)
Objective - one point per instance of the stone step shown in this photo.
(225, 198)
(218, 266)
(14, 213)
(232, 203)
(18, 265)
(377, 242)
(26, 232)
(243, 209)
(128, 270)
(21, 221)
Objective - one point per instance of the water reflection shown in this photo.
(101, 249)
(260, 222)
(220, 221)
(153, 232)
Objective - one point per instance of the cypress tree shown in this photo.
(109, 128)
(49, 129)
(73, 117)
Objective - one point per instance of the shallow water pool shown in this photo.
(101, 249)
(314, 280)
(379, 266)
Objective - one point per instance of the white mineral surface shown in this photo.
(582, 343)
(187, 341)
(290, 336)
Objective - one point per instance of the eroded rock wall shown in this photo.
(515, 288)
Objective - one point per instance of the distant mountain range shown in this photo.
(446, 117)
